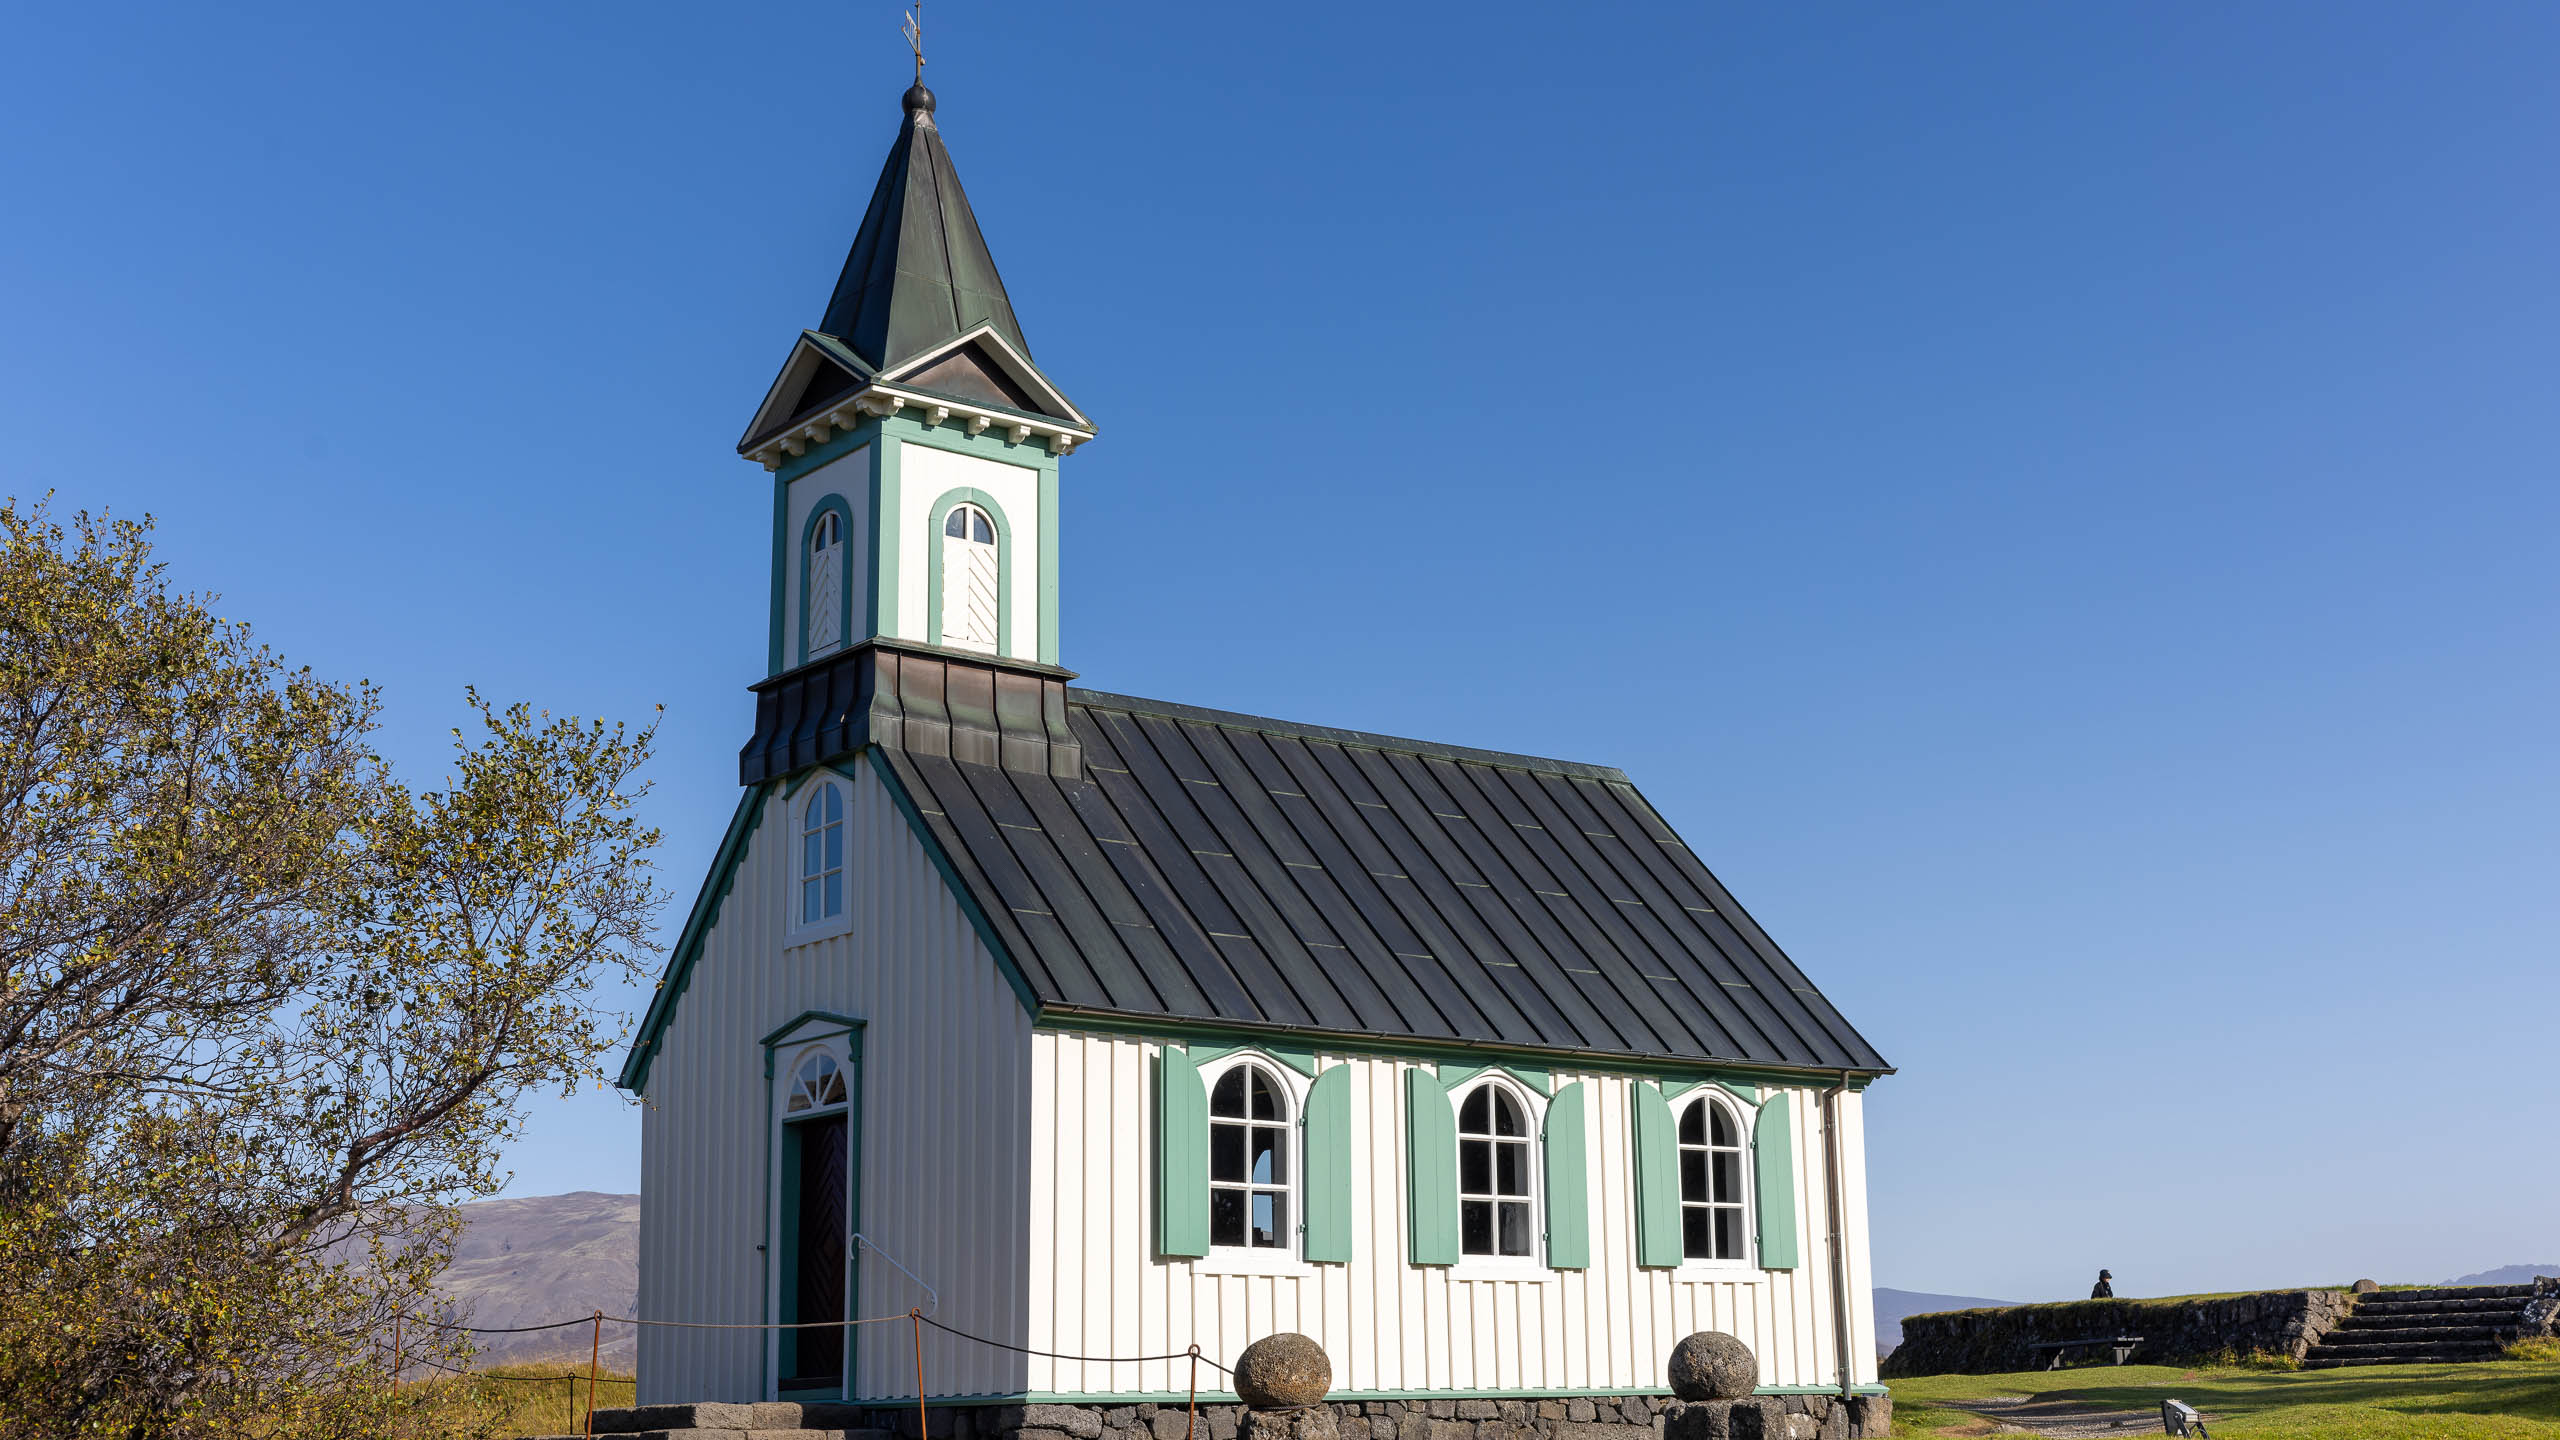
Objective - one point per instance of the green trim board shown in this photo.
(1747, 1094)
(782, 1250)
(1324, 1152)
(1418, 1050)
(774, 648)
(1296, 1058)
(1657, 1147)
(1568, 1180)
(978, 921)
(885, 501)
(687, 950)
(831, 504)
(1047, 520)
(1228, 1397)
(935, 515)
(1773, 1169)
(792, 786)
(1541, 1083)
(780, 1035)
(834, 447)
(1182, 1157)
(1431, 1171)
(688, 946)
(954, 436)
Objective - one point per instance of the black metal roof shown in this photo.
(1229, 868)
(919, 272)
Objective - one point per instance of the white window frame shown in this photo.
(1291, 1258)
(811, 601)
(979, 515)
(1745, 1267)
(1532, 1266)
(796, 811)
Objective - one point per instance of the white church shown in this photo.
(1104, 1027)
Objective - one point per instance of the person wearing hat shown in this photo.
(2103, 1290)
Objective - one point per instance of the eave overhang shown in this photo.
(1157, 1025)
(880, 401)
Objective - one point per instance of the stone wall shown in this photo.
(2174, 1332)
(1623, 1417)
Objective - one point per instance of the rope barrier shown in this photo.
(916, 1319)
(1191, 1354)
(493, 1375)
(830, 1325)
(636, 1320)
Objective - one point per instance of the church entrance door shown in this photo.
(816, 1157)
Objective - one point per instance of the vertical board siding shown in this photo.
(1099, 1289)
(947, 1131)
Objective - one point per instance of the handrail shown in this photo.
(930, 1293)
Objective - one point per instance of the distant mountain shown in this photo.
(544, 1258)
(2507, 1275)
(1892, 1305)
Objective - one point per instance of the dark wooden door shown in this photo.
(819, 1354)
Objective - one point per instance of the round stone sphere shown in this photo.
(1282, 1372)
(1712, 1365)
(2366, 1287)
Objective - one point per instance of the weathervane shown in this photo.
(914, 31)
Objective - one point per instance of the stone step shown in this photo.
(2406, 1351)
(2412, 1334)
(2316, 1361)
(723, 1433)
(2488, 1306)
(2452, 1292)
(766, 1419)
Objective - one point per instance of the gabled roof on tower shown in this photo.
(919, 273)
(919, 319)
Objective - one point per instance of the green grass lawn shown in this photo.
(2492, 1401)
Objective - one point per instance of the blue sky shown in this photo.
(2057, 502)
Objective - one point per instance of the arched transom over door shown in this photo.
(969, 579)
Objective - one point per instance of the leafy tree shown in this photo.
(267, 1015)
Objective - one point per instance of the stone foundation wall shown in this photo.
(2178, 1332)
(1625, 1417)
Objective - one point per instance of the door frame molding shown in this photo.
(780, 1249)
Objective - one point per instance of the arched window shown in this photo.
(970, 587)
(825, 618)
(822, 855)
(1713, 1225)
(816, 1084)
(1495, 1196)
(1249, 1160)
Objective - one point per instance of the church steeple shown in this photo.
(914, 445)
(919, 273)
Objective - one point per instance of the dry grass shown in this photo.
(507, 1401)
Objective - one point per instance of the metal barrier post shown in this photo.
(916, 1318)
(595, 1352)
(1191, 1422)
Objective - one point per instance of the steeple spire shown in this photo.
(919, 273)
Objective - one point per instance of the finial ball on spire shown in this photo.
(918, 100)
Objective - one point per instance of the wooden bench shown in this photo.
(2055, 1350)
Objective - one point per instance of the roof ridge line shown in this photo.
(1366, 739)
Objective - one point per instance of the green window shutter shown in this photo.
(1657, 1179)
(1773, 1161)
(1328, 1167)
(1568, 1182)
(1182, 1156)
(1431, 1169)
